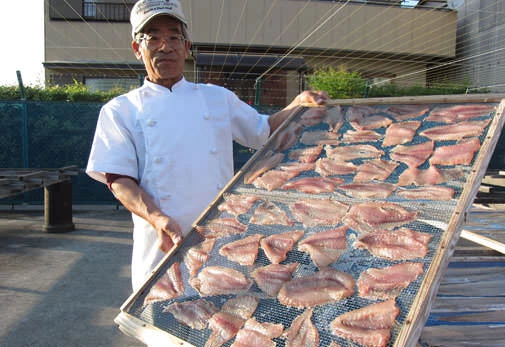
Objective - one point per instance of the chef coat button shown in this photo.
(206, 117)
(219, 186)
(151, 123)
(157, 160)
(213, 151)
(166, 197)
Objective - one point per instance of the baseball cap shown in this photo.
(145, 10)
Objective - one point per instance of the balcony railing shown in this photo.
(107, 11)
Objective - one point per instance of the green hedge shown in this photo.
(342, 84)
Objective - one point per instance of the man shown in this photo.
(165, 149)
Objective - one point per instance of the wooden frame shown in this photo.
(409, 331)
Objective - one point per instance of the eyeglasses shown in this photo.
(154, 41)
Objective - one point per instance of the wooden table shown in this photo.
(57, 192)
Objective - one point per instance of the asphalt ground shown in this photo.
(64, 289)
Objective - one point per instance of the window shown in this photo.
(107, 11)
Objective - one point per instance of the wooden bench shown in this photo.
(57, 192)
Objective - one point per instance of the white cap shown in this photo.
(145, 10)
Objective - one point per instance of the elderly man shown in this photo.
(165, 149)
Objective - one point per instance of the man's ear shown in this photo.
(136, 50)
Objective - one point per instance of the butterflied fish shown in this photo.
(323, 287)
(312, 212)
(456, 131)
(313, 185)
(388, 282)
(360, 136)
(458, 113)
(437, 193)
(459, 154)
(237, 204)
(400, 244)
(305, 155)
(334, 118)
(243, 251)
(268, 213)
(257, 334)
(302, 332)
(226, 323)
(320, 137)
(269, 161)
(375, 169)
(273, 179)
(364, 117)
(270, 278)
(219, 280)
(277, 246)
(288, 137)
(221, 227)
(400, 133)
(378, 190)
(351, 152)
(325, 246)
(198, 255)
(194, 313)
(429, 176)
(329, 167)
(412, 155)
(369, 216)
(369, 326)
(403, 112)
(168, 286)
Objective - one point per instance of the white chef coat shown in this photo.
(178, 145)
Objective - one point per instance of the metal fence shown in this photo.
(57, 134)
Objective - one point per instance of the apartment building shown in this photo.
(260, 49)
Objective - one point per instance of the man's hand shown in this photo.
(305, 98)
(136, 200)
(310, 98)
(169, 232)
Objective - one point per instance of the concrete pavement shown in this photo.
(64, 289)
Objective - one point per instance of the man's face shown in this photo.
(162, 57)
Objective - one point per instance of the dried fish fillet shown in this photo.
(194, 313)
(169, 286)
(221, 227)
(277, 246)
(325, 246)
(237, 204)
(243, 251)
(401, 244)
(226, 323)
(219, 280)
(198, 255)
(389, 281)
(369, 326)
(302, 332)
(312, 212)
(369, 216)
(323, 287)
(270, 278)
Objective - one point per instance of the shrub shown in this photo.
(338, 84)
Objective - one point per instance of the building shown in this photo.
(481, 45)
(261, 49)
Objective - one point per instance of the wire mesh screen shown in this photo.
(51, 134)
(274, 210)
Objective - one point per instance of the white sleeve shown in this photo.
(113, 147)
(250, 128)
